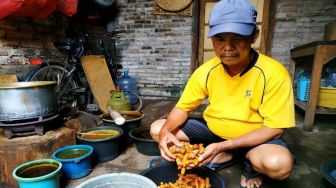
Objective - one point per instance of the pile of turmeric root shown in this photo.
(186, 158)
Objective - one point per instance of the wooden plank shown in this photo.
(265, 26)
(257, 43)
(201, 32)
(259, 5)
(208, 8)
(99, 78)
(303, 52)
(207, 41)
(319, 110)
(269, 27)
(8, 78)
(195, 37)
(209, 55)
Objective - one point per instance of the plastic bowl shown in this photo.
(144, 142)
(328, 171)
(75, 160)
(38, 173)
(105, 149)
(133, 120)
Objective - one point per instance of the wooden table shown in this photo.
(322, 52)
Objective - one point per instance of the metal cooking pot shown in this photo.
(26, 100)
(167, 172)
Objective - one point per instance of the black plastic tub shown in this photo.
(328, 171)
(144, 142)
(132, 121)
(105, 149)
(168, 172)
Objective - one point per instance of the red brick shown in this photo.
(13, 34)
(32, 44)
(2, 33)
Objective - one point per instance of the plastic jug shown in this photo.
(128, 85)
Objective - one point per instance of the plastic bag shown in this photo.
(67, 7)
(7, 7)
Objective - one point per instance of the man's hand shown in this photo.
(210, 153)
(167, 139)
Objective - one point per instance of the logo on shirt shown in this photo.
(248, 93)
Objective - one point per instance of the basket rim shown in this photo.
(173, 5)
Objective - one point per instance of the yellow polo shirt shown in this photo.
(260, 96)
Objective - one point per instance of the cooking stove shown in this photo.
(26, 127)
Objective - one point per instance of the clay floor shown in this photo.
(310, 149)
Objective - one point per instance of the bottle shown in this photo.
(130, 86)
(118, 119)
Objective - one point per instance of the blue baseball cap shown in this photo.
(232, 16)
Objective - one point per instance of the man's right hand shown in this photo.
(167, 139)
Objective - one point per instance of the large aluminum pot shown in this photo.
(26, 100)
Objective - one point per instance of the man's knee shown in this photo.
(155, 128)
(277, 164)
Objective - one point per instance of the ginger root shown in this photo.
(186, 158)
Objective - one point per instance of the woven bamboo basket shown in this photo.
(173, 5)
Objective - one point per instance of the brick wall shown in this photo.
(299, 22)
(155, 48)
(24, 37)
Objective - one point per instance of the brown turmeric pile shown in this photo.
(186, 158)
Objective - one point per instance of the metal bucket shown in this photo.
(26, 100)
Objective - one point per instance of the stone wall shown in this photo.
(299, 22)
(155, 48)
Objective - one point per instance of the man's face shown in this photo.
(232, 49)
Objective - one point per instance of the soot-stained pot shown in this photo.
(144, 142)
(26, 100)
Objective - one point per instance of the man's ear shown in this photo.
(255, 34)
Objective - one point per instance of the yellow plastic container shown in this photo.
(327, 97)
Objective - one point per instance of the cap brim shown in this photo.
(238, 28)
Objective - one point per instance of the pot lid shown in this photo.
(173, 5)
(15, 85)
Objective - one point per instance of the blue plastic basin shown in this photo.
(38, 173)
(75, 160)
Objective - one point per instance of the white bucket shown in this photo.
(118, 180)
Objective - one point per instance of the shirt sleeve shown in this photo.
(277, 106)
(194, 92)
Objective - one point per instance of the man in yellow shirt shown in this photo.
(250, 102)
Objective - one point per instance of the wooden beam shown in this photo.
(195, 36)
(269, 27)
